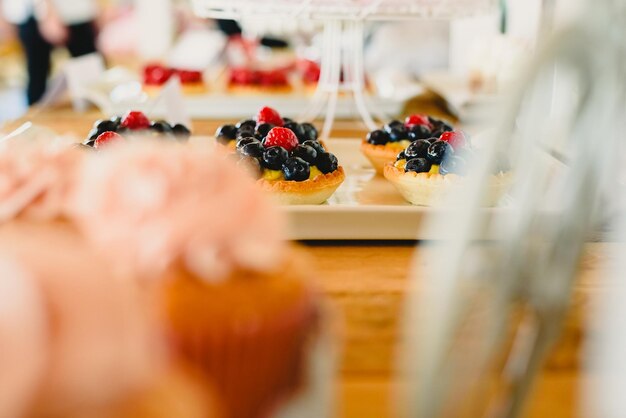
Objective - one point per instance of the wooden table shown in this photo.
(366, 282)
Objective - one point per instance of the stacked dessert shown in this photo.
(156, 75)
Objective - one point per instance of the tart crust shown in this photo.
(380, 155)
(424, 189)
(309, 192)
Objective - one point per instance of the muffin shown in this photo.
(381, 146)
(133, 124)
(238, 301)
(429, 168)
(287, 158)
(79, 340)
(156, 75)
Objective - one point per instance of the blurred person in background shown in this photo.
(45, 24)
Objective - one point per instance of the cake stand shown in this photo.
(342, 69)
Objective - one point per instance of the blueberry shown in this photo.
(247, 123)
(106, 125)
(245, 130)
(93, 134)
(90, 143)
(417, 149)
(378, 137)
(398, 134)
(287, 120)
(316, 145)
(297, 129)
(326, 162)
(419, 132)
(401, 156)
(161, 126)
(226, 133)
(310, 132)
(263, 128)
(296, 169)
(124, 130)
(306, 152)
(393, 124)
(274, 157)
(245, 141)
(418, 165)
(437, 150)
(453, 164)
(181, 131)
(253, 149)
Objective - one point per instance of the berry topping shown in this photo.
(253, 149)
(245, 141)
(156, 74)
(316, 145)
(398, 133)
(419, 132)
(281, 137)
(310, 132)
(326, 162)
(269, 115)
(453, 164)
(189, 76)
(297, 129)
(246, 122)
(161, 127)
(418, 165)
(306, 152)
(401, 156)
(437, 150)
(417, 119)
(107, 125)
(135, 120)
(263, 128)
(274, 158)
(456, 139)
(226, 133)
(417, 149)
(181, 131)
(393, 124)
(296, 169)
(107, 138)
(378, 137)
(245, 131)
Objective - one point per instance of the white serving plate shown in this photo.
(365, 207)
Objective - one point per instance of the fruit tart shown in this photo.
(286, 157)
(381, 146)
(156, 75)
(133, 123)
(430, 167)
(244, 80)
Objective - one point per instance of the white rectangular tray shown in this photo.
(365, 207)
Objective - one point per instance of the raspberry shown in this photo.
(107, 138)
(135, 120)
(269, 115)
(456, 139)
(417, 120)
(156, 74)
(281, 137)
